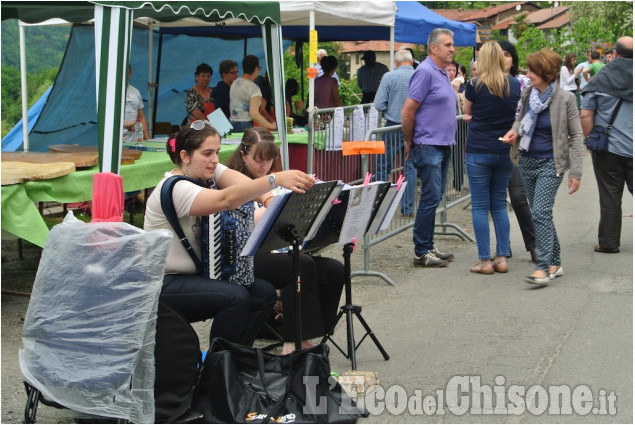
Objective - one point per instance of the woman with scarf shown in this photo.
(540, 138)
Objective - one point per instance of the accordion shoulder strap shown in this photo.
(167, 205)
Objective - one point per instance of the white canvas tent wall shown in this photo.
(113, 22)
(339, 14)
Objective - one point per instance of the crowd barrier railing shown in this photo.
(354, 169)
(324, 159)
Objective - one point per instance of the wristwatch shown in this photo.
(272, 180)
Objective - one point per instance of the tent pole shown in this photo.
(155, 99)
(311, 106)
(25, 120)
(392, 46)
(151, 85)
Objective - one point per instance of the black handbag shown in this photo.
(246, 385)
(598, 139)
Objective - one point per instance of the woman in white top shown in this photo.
(238, 311)
(568, 73)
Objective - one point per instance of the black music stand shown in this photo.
(294, 217)
(329, 233)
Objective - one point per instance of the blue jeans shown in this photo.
(239, 312)
(431, 163)
(488, 176)
(394, 142)
(241, 126)
(541, 183)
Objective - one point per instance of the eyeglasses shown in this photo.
(200, 124)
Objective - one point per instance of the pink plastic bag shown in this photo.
(107, 197)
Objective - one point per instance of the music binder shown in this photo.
(330, 231)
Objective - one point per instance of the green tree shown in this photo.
(616, 17)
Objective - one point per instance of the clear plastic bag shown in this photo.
(89, 331)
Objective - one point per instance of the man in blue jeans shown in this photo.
(390, 98)
(428, 121)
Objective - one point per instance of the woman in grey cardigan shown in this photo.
(540, 137)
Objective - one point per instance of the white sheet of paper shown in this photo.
(382, 210)
(257, 236)
(324, 211)
(373, 117)
(360, 205)
(359, 124)
(220, 122)
(393, 207)
(335, 133)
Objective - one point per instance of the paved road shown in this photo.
(444, 323)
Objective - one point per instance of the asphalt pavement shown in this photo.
(460, 342)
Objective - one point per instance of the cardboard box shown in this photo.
(358, 383)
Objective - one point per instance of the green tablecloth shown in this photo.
(21, 217)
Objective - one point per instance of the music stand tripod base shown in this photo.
(349, 310)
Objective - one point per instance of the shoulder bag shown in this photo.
(598, 139)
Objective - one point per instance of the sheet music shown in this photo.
(387, 209)
(264, 224)
(220, 122)
(324, 211)
(373, 117)
(335, 133)
(360, 203)
(393, 206)
(359, 124)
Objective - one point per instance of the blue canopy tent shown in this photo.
(69, 114)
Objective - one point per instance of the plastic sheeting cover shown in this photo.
(89, 331)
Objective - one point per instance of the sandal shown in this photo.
(501, 265)
(482, 268)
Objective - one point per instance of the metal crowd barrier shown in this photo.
(353, 170)
(323, 160)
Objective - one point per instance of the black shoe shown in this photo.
(600, 248)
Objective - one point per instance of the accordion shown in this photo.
(224, 235)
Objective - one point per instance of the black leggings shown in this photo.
(322, 280)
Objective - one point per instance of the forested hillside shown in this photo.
(45, 46)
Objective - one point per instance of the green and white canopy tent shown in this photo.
(113, 27)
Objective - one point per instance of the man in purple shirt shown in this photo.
(428, 121)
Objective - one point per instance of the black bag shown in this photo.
(598, 139)
(177, 357)
(246, 385)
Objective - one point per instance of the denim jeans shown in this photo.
(431, 163)
(241, 126)
(488, 176)
(541, 183)
(239, 312)
(394, 142)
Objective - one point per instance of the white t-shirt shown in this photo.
(240, 94)
(183, 195)
(567, 79)
(134, 102)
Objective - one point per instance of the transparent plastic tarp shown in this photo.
(89, 332)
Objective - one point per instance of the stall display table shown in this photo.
(21, 217)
